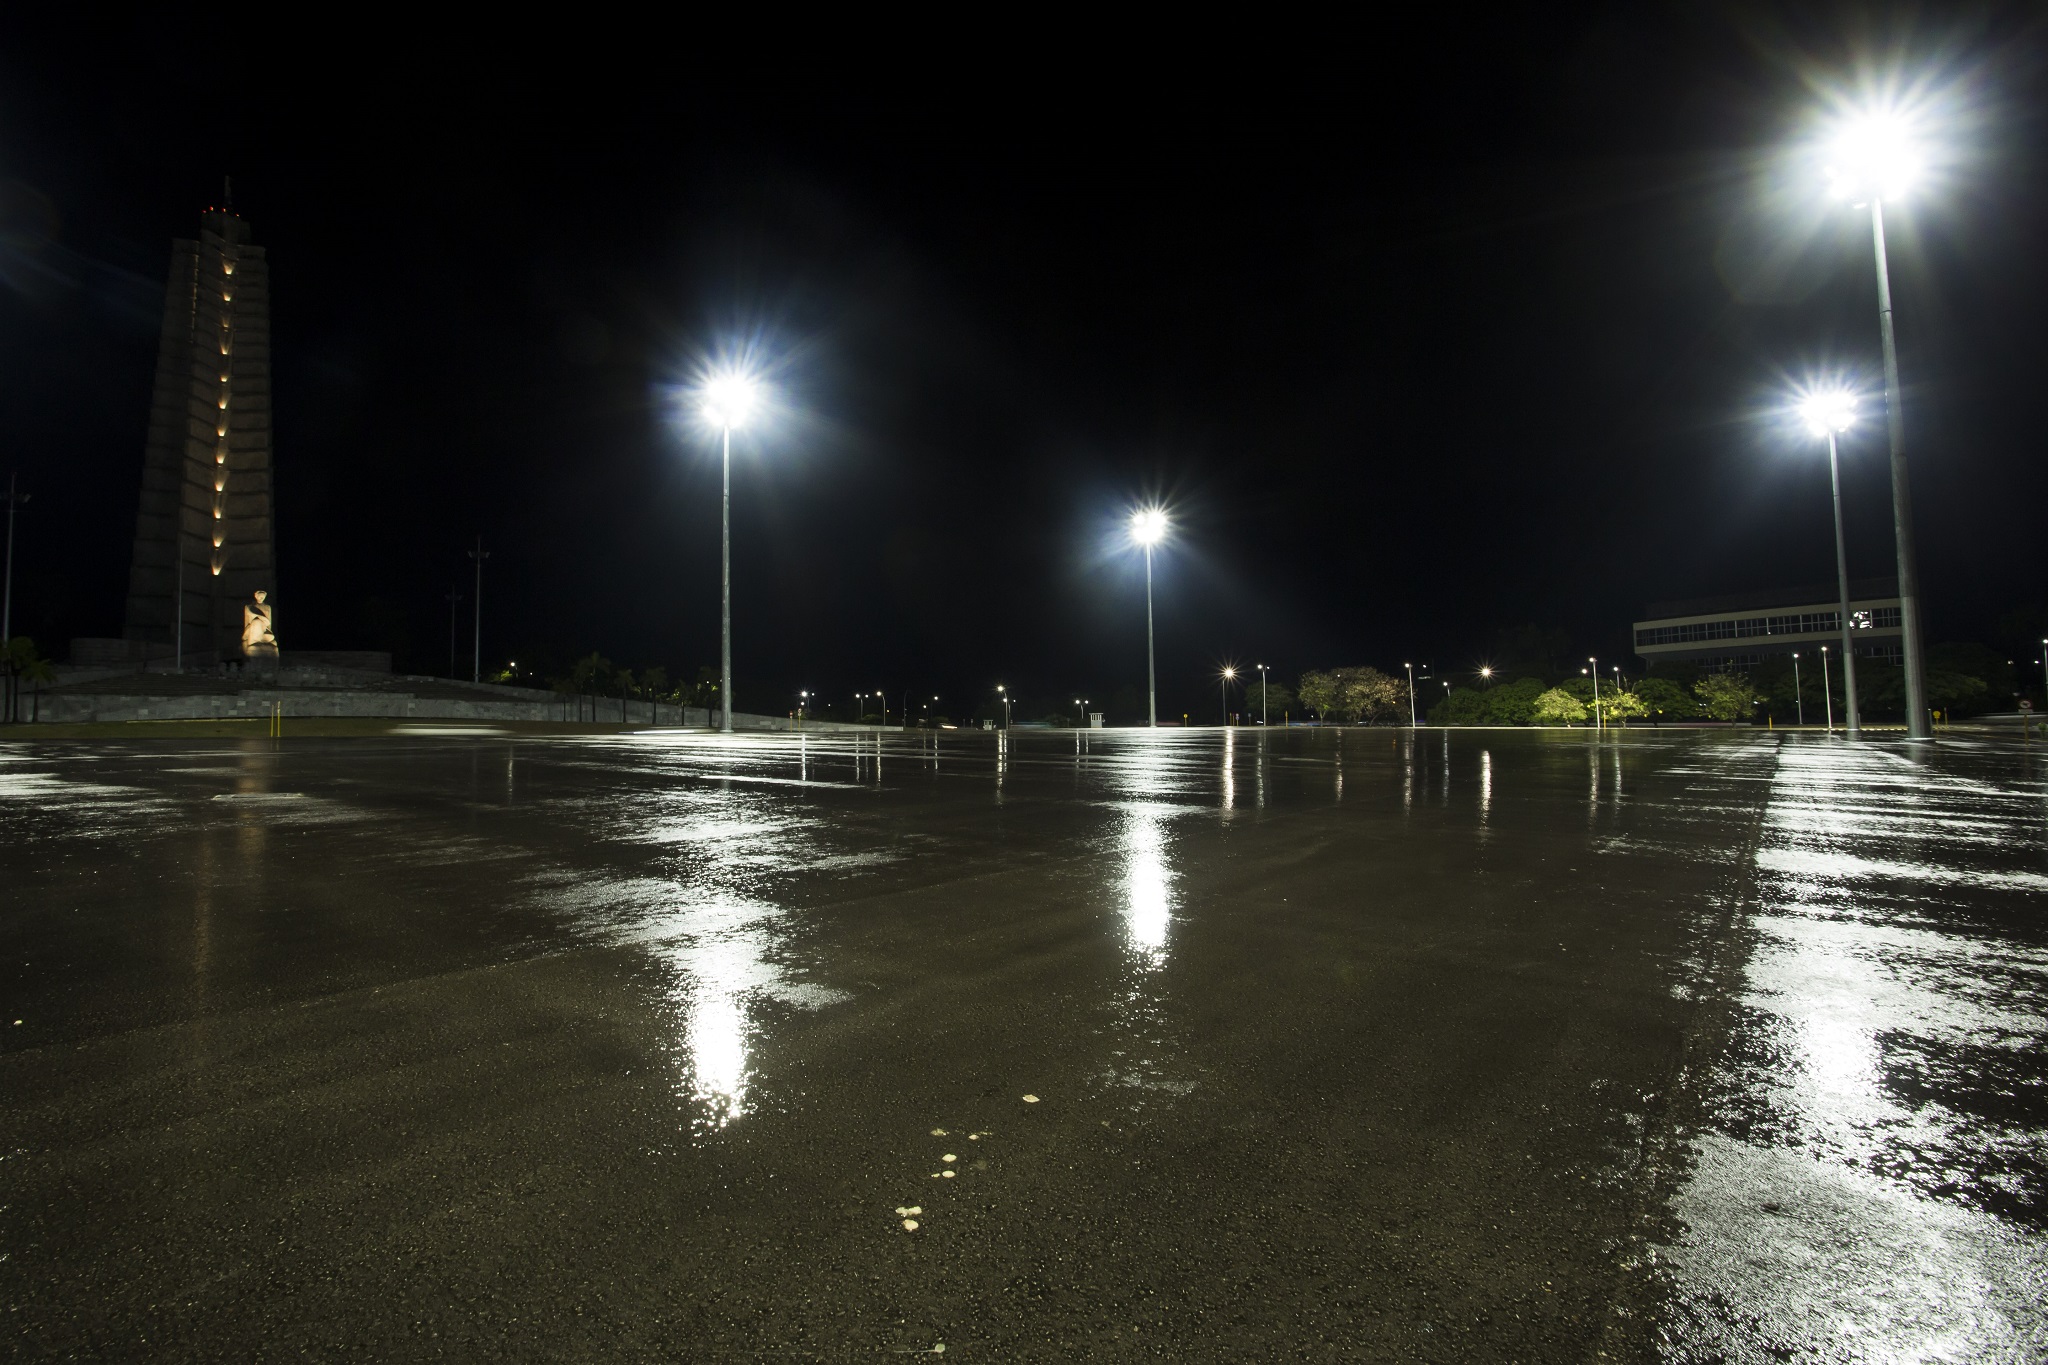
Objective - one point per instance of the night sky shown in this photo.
(1450, 331)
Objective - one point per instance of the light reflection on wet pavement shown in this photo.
(1478, 1045)
(1872, 1179)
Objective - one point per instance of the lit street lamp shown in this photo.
(1798, 691)
(1411, 694)
(1594, 673)
(1148, 528)
(1485, 674)
(1826, 414)
(1229, 675)
(1081, 709)
(1004, 693)
(1262, 691)
(726, 401)
(1874, 157)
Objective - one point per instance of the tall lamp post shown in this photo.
(1798, 691)
(1874, 158)
(476, 660)
(1827, 414)
(1827, 690)
(1592, 670)
(1148, 528)
(1229, 675)
(726, 401)
(1004, 694)
(1411, 694)
(1262, 691)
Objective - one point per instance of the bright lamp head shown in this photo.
(727, 399)
(1829, 411)
(1874, 154)
(1148, 526)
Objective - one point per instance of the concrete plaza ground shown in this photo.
(1189, 1045)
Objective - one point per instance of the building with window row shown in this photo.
(1736, 632)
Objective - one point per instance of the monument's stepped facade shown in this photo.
(205, 539)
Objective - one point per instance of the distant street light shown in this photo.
(1148, 528)
(801, 699)
(1081, 706)
(726, 399)
(1262, 693)
(1004, 693)
(476, 662)
(1411, 694)
(1873, 157)
(1798, 691)
(1485, 674)
(1827, 413)
(1229, 674)
(1594, 672)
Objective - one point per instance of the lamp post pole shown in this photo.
(725, 588)
(476, 667)
(1842, 588)
(1151, 663)
(1798, 691)
(1411, 694)
(1827, 689)
(1262, 694)
(1593, 671)
(1917, 726)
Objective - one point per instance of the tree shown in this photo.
(1726, 696)
(1320, 693)
(1507, 704)
(1513, 703)
(1279, 701)
(1621, 704)
(1461, 706)
(25, 665)
(1375, 698)
(1558, 707)
(1666, 699)
(1364, 695)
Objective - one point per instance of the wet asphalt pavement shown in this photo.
(1355, 1045)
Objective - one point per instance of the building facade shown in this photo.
(1735, 632)
(205, 538)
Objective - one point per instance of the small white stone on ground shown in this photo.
(910, 1225)
(1031, 1099)
(950, 1156)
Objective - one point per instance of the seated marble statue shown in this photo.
(259, 639)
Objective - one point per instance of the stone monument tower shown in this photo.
(205, 541)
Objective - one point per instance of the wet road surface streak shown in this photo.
(1344, 1047)
(1872, 1180)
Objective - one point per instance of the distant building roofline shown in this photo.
(1860, 590)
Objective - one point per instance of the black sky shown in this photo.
(1461, 328)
